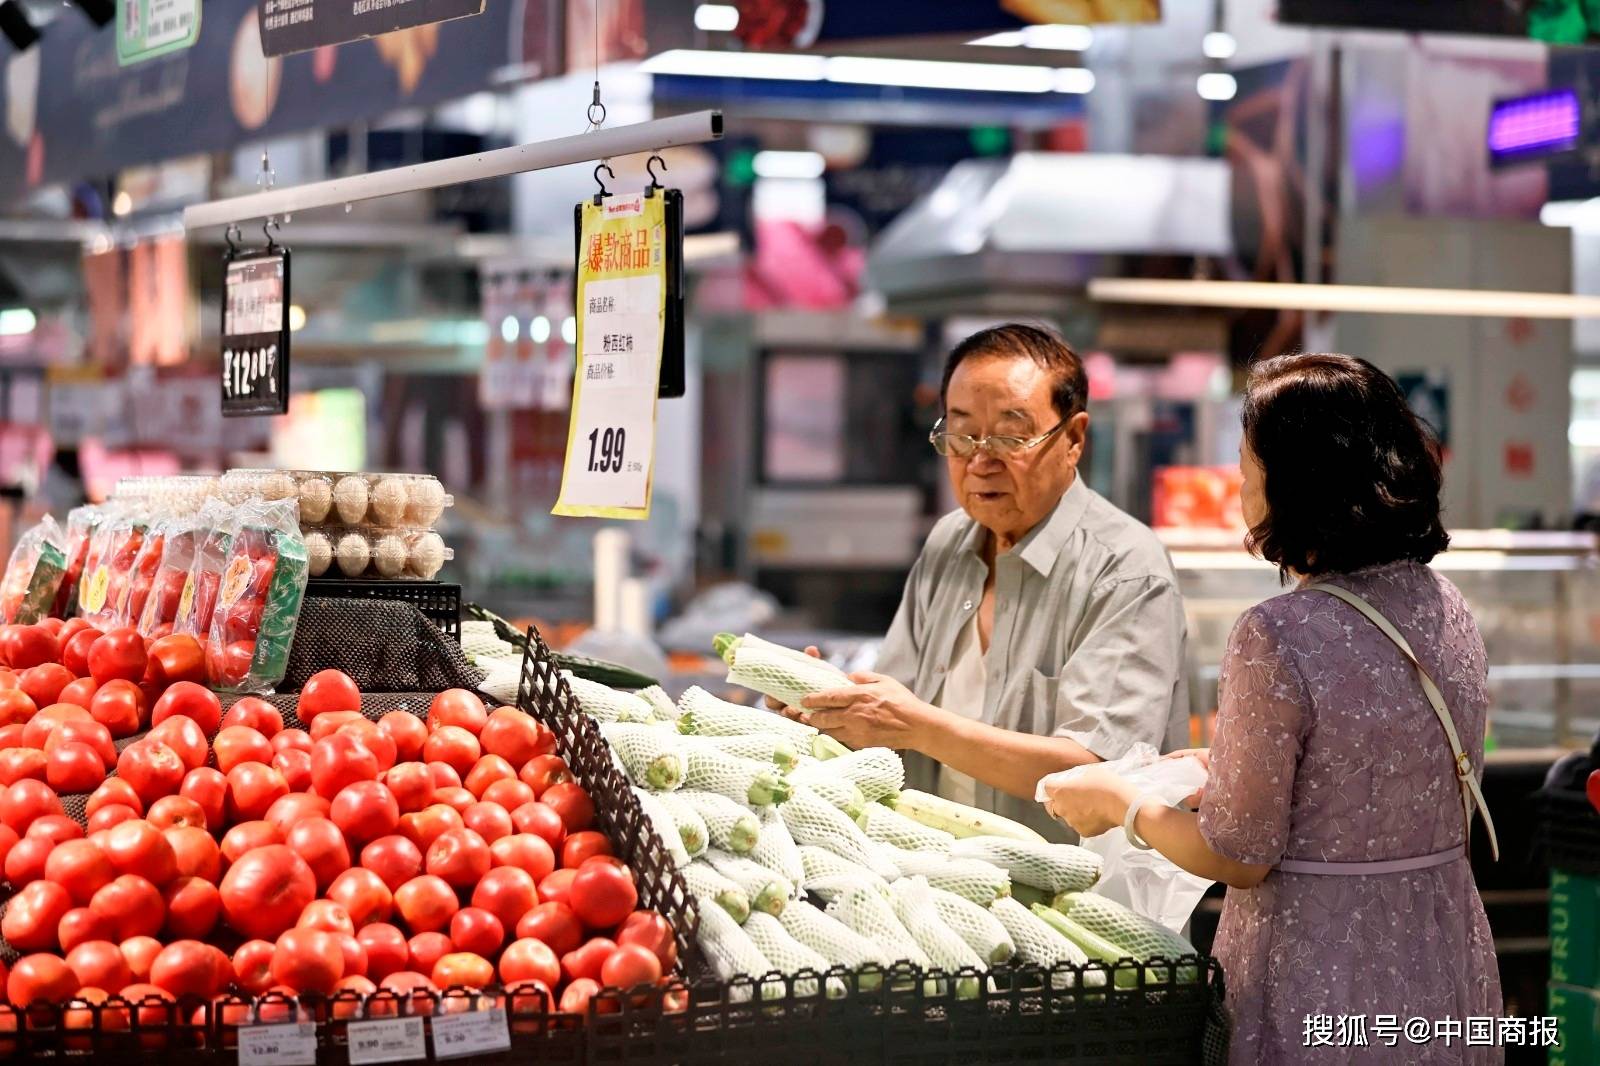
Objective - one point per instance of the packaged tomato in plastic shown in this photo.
(199, 596)
(159, 612)
(38, 565)
(258, 604)
(136, 590)
(81, 523)
(113, 548)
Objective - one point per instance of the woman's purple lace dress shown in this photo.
(1326, 749)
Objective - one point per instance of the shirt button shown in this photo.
(967, 606)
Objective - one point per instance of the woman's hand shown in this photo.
(1094, 801)
(1204, 756)
(875, 711)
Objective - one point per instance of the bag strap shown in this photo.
(1471, 794)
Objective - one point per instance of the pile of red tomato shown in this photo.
(406, 854)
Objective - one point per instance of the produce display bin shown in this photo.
(440, 601)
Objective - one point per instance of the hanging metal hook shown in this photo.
(604, 192)
(650, 169)
(231, 236)
(267, 226)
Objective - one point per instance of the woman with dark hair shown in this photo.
(1343, 779)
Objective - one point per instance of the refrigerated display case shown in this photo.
(1535, 595)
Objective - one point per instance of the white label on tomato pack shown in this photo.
(477, 1032)
(293, 1044)
(387, 1040)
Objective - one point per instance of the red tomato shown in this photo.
(422, 991)
(113, 790)
(139, 952)
(460, 857)
(363, 895)
(55, 828)
(84, 731)
(365, 811)
(80, 926)
(247, 837)
(11, 735)
(75, 651)
(330, 722)
(80, 692)
(394, 858)
(1593, 789)
(117, 705)
(426, 949)
(411, 785)
(50, 718)
(231, 665)
(43, 683)
(119, 655)
(33, 917)
(526, 852)
(488, 820)
(583, 846)
(455, 747)
(387, 951)
(295, 807)
(208, 787)
(485, 772)
(512, 735)
(506, 892)
(253, 788)
(541, 821)
(329, 690)
(109, 815)
(457, 707)
(22, 646)
(327, 915)
(444, 775)
(8, 840)
(462, 969)
(237, 744)
(423, 827)
(307, 960)
(557, 886)
(79, 867)
(478, 931)
(193, 907)
(553, 923)
(40, 978)
(133, 905)
(176, 658)
(296, 739)
(571, 802)
(375, 740)
(458, 798)
(152, 1010)
(355, 958)
(295, 766)
(629, 966)
(75, 768)
(650, 930)
(320, 843)
(407, 731)
(25, 860)
(18, 764)
(254, 713)
(508, 794)
(338, 761)
(172, 812)
(265, 890)
(587, 960)
(26, 800)
(542, 771)
(189, 700)
(99, 964)
(529, 960)
(252, 966)
(15, 706)
(184, 736)
(575, 998)
(197, 853)
(426, 903)
(185, 967)
(602, 895)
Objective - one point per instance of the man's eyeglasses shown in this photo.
(1000, 446)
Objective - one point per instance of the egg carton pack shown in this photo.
(375, 552)
(177, 494)
(386, 501)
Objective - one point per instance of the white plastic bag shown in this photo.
(1145, 881)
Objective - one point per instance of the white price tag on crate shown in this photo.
(477, 1032)
(387, 1040)
(293, 1044)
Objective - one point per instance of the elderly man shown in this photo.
(1041, 627)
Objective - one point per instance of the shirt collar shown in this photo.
(1043, 543)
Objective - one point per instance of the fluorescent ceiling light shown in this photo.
(1055, 37)
(938, 74)
(17, 322)
(1360, 299)
(716, 18)
(1571, 214)
(1074, 80)
(790, 164)
(121, 204)
(709, 64)
(1219, 46)
(297, 318)
(539, 329)
(569, 329)
(1217, 86)
(510, 329)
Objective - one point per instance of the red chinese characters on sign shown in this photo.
(613, 253)
(1519, 459)
(1520, 396)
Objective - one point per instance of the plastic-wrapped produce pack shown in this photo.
(258, 602)
(33, 577)
(81, 524)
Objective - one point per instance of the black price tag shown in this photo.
(255, 333)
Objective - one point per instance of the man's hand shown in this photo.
(875, 711)
(1094, 801)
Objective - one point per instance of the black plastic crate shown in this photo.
(1569, 831)
(439, 601)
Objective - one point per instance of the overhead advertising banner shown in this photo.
(1551, 21)
(150, 28)
(913, 18)
(289, 26)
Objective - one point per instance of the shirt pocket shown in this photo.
(1037, 711)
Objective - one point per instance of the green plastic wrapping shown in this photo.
(34, 575)
(258, 602)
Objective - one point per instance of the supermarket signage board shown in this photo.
(255, 333)
(150, 28)
(621, 296)
(289, 26)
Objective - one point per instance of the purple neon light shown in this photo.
(1550, 120)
